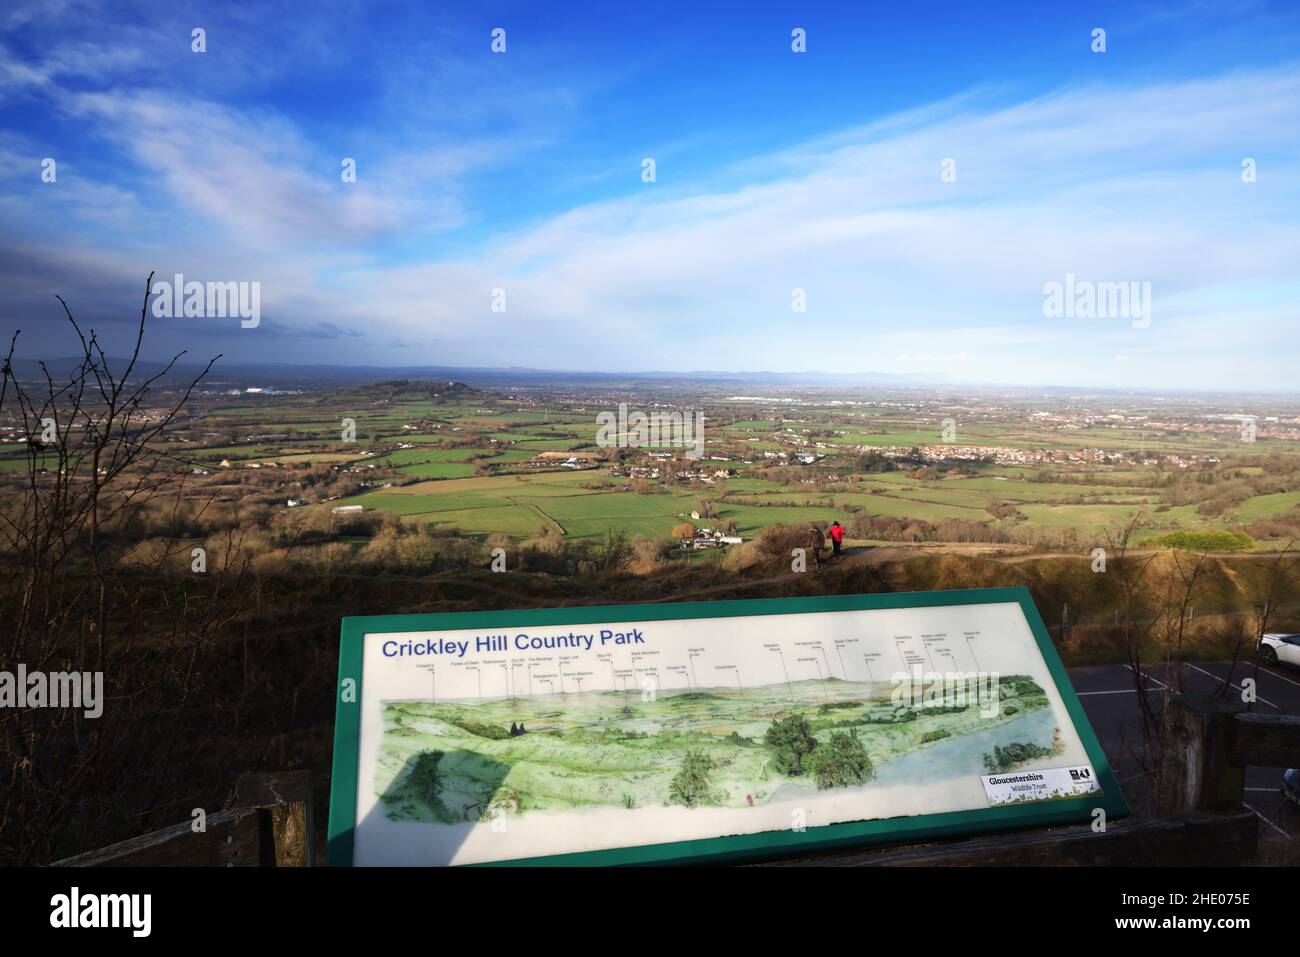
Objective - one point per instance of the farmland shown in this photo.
(904, 466)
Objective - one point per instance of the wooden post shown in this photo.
(1198, 769)
(286, 796)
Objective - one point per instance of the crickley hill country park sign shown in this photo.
(706, 731)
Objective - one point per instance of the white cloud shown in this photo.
(899, 267)
(1108, 184)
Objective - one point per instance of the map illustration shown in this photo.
(460, 760)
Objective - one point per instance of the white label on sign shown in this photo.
(1044, 784)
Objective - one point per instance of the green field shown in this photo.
(1266, 506)
(474, 454)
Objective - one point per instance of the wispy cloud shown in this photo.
(1110, 184)
(901, 270)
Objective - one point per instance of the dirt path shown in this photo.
(1132, 552)
(903, 551)
(538, 510)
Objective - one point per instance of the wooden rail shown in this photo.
(267, 823)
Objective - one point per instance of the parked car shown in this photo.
(1276, 647)
(1291, 785)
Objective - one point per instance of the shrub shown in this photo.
(779, 540)
(1219, 541)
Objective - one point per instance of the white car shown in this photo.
(1276, 647)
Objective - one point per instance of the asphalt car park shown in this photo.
(1109, 697)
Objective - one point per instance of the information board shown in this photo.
(704, 731)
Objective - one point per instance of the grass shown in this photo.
(1267, 506)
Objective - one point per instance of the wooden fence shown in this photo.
(268, 822)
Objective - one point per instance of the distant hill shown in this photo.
(318, 377)
(442, 389)
(694, 696)
(324, 378)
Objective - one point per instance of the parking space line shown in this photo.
(1084, 694)
(1238, 687)
(1268, 822)
(1279, 677)
(1147, 676)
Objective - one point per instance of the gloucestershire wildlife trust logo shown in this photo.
(633, 430)
(1085, 299)
(213, 300)
(75, 909)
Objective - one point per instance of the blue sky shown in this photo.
(775, 171)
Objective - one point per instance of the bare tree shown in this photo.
(1134, 609)
(1177, 593)
(1268, 585)
(79, 594)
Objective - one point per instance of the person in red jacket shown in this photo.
(837, 538)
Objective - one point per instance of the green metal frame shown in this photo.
(347, 731)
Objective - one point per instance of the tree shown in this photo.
(1267, 585)
(77, 593)
(684, 530)
(1131, 573)
(690, 786)
(1176, 597)
(840, 762)
(790, 740)
(612, 552)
